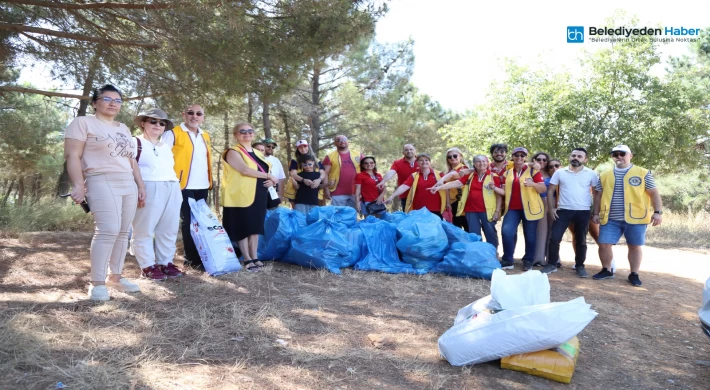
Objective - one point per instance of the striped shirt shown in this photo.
(616, 210)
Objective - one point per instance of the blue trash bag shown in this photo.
(281, 225)
(395, 217)
(469, 260)
(379, 252)
(340, 214)
(260, 250)
(370, 219)
(456, 234)
(421, 237)
(321, 245)
(357, 242)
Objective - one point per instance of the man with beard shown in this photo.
(625, 202)
(276, 168)
(403, 168)
(500, 163)
(573, 185)
(341, 167)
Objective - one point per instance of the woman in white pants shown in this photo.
(157, 217)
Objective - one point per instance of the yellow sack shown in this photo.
(557, 364)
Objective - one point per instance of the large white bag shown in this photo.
(211, 240)
(512, 291)
(487, 337)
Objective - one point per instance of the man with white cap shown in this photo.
(625, 202)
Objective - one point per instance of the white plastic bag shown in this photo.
(526, 289)
(212, 242)
(485, 303)
(521, 330)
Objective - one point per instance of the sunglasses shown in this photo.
(618, 154)
(308, 164)
(197, 113)
(518, 155)
(270, 146)
(246, 131)
(541, 159)
(452, 156)
(156, 121)
(555, 165)
(107, 99)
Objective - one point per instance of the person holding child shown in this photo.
(307, 184)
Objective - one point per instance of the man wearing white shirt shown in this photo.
(574, 186)
(193, 167)
(276, 168)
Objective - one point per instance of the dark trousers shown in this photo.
(192, 258)
(461, 221)
(580, 219)
(403, 202)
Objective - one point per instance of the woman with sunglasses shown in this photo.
(366, 191)
(545, 224)
(100, 154)
(455, 163)
(244, 193)
(158, 217)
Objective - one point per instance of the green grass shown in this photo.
(51, 215)
(685, 230)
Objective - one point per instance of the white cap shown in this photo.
(301, 143)
(621, 148)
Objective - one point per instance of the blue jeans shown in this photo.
(510, 228)
(478, 221)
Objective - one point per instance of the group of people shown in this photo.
(144, 183)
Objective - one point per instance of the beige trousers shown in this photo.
(113, 199)
(159, 219)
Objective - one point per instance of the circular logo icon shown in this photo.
(635, 181)
(357, 159)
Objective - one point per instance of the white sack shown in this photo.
(526, 289)
(212, 242)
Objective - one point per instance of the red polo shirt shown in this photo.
(368, 186)
(424, 198)
(516, 200)
(474, 202)
(404, 170)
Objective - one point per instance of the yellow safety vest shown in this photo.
(532, 202)
(183, 153)
(637, 204)
(489, 196)
(454, 192)
(334, 175)
(413, 190)
(238, 190)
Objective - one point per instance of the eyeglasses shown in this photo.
(541, 159)
(155, 121)
(452, 156)
(197, 113)
(308, 164)
(618, 154)
(518, 155)
(108, 100)
(341, 140)
(555, 165)
(246, 131)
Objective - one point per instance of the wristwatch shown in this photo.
(659, 212)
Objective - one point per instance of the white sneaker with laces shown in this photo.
(124, 285)
(98, 293)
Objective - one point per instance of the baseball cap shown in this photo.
(301, 142)
(621, 148)
(269, 141)
(520, 149)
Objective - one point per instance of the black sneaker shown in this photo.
(634, 279)
(548, 269)
(581, 272)
(527, 266)
(538, 264)
(506, 265)
(603, 274)
(558, 265)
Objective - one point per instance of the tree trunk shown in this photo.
(250, 107)
(36, 189)
(287, 131)
(266, 119)
(7, 193)
(314, 116)
(20, 191)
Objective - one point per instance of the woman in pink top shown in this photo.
(100, 156)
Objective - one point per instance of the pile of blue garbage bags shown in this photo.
(331, 238)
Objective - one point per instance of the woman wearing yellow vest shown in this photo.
(523, 186)
(479, 203)
(420, 182)
(455, 163)
(244, 194)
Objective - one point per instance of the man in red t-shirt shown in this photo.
(341, 172)
(518, 211)
(403, 168)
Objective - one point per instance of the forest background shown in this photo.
(313, 69)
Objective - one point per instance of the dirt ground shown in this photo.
(292, 328)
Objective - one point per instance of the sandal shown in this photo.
(253, 268)
(260, 265)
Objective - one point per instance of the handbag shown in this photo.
(375, 208)
(271, 202)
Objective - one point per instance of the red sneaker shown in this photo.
(153, 273)
(171, 270)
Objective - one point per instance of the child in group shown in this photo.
(307, 188)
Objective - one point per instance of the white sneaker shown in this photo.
(124, 285)
(98, 293)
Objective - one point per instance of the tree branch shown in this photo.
(12, 88)
(56, 4)
(22, 28)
